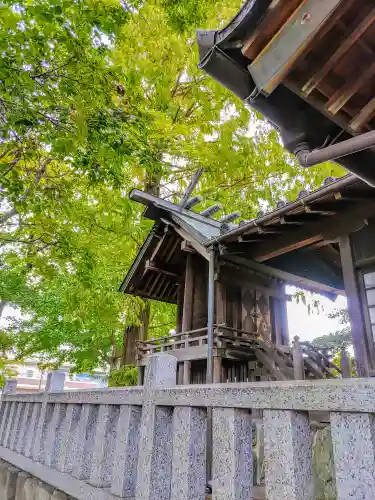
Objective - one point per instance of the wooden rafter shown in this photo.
(309, 234)
(345, 93)
(364, 116)
(359, 30)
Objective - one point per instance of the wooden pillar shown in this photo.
(298, 364)
(180, 308)
(279, 321)
(354, 307)
(141, 375)
(187, 314)
(247, 304)
(187, 372)
(345, 364)
(220, 299)
(217, 370)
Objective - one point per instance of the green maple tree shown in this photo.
(97, 97)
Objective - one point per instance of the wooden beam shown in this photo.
(192, 241)
(332, 227)
(286, 277)
(272, 22)
(276, 59)
(351, 39)
(364, 116)
(342, 96)
(151, 267)
(354, 307)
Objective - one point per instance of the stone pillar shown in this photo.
(21, 485)
(43, 491)
(5, 407)
(288, 455)
(55, 383)
(9, 423)
(69, 443)
(59, 495)
(104, 445)
(31, 488)
(24, 428)
(189, 454)
(10, 386)
(9, 492)
(353, 441)
(31, 429)
(85, 436)
(53, 437)
(155, 444)
(124, 475)
(232, 468)
(15, 431)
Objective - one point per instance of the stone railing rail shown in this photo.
(149, 443)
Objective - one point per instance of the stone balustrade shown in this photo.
(149, 442)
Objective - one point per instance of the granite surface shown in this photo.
(124, 473)
(353, 441)
(232, 468)
(288, 455)
(189, 430)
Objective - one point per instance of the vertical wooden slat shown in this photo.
(353, 440)
(220, 299)
(288, 455)
(232, 468)
(187, 372)
(217, 369)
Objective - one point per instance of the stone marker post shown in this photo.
(55, 383)
(155, 444)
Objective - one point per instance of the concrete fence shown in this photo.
(149, 443)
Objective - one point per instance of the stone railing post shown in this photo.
(232, 460)
(155, 444)
(298, 363)
(55, 383)
(288, 455)
(10, 387)
(354, 455)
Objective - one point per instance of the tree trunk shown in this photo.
(3, 303)
(132, 333)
